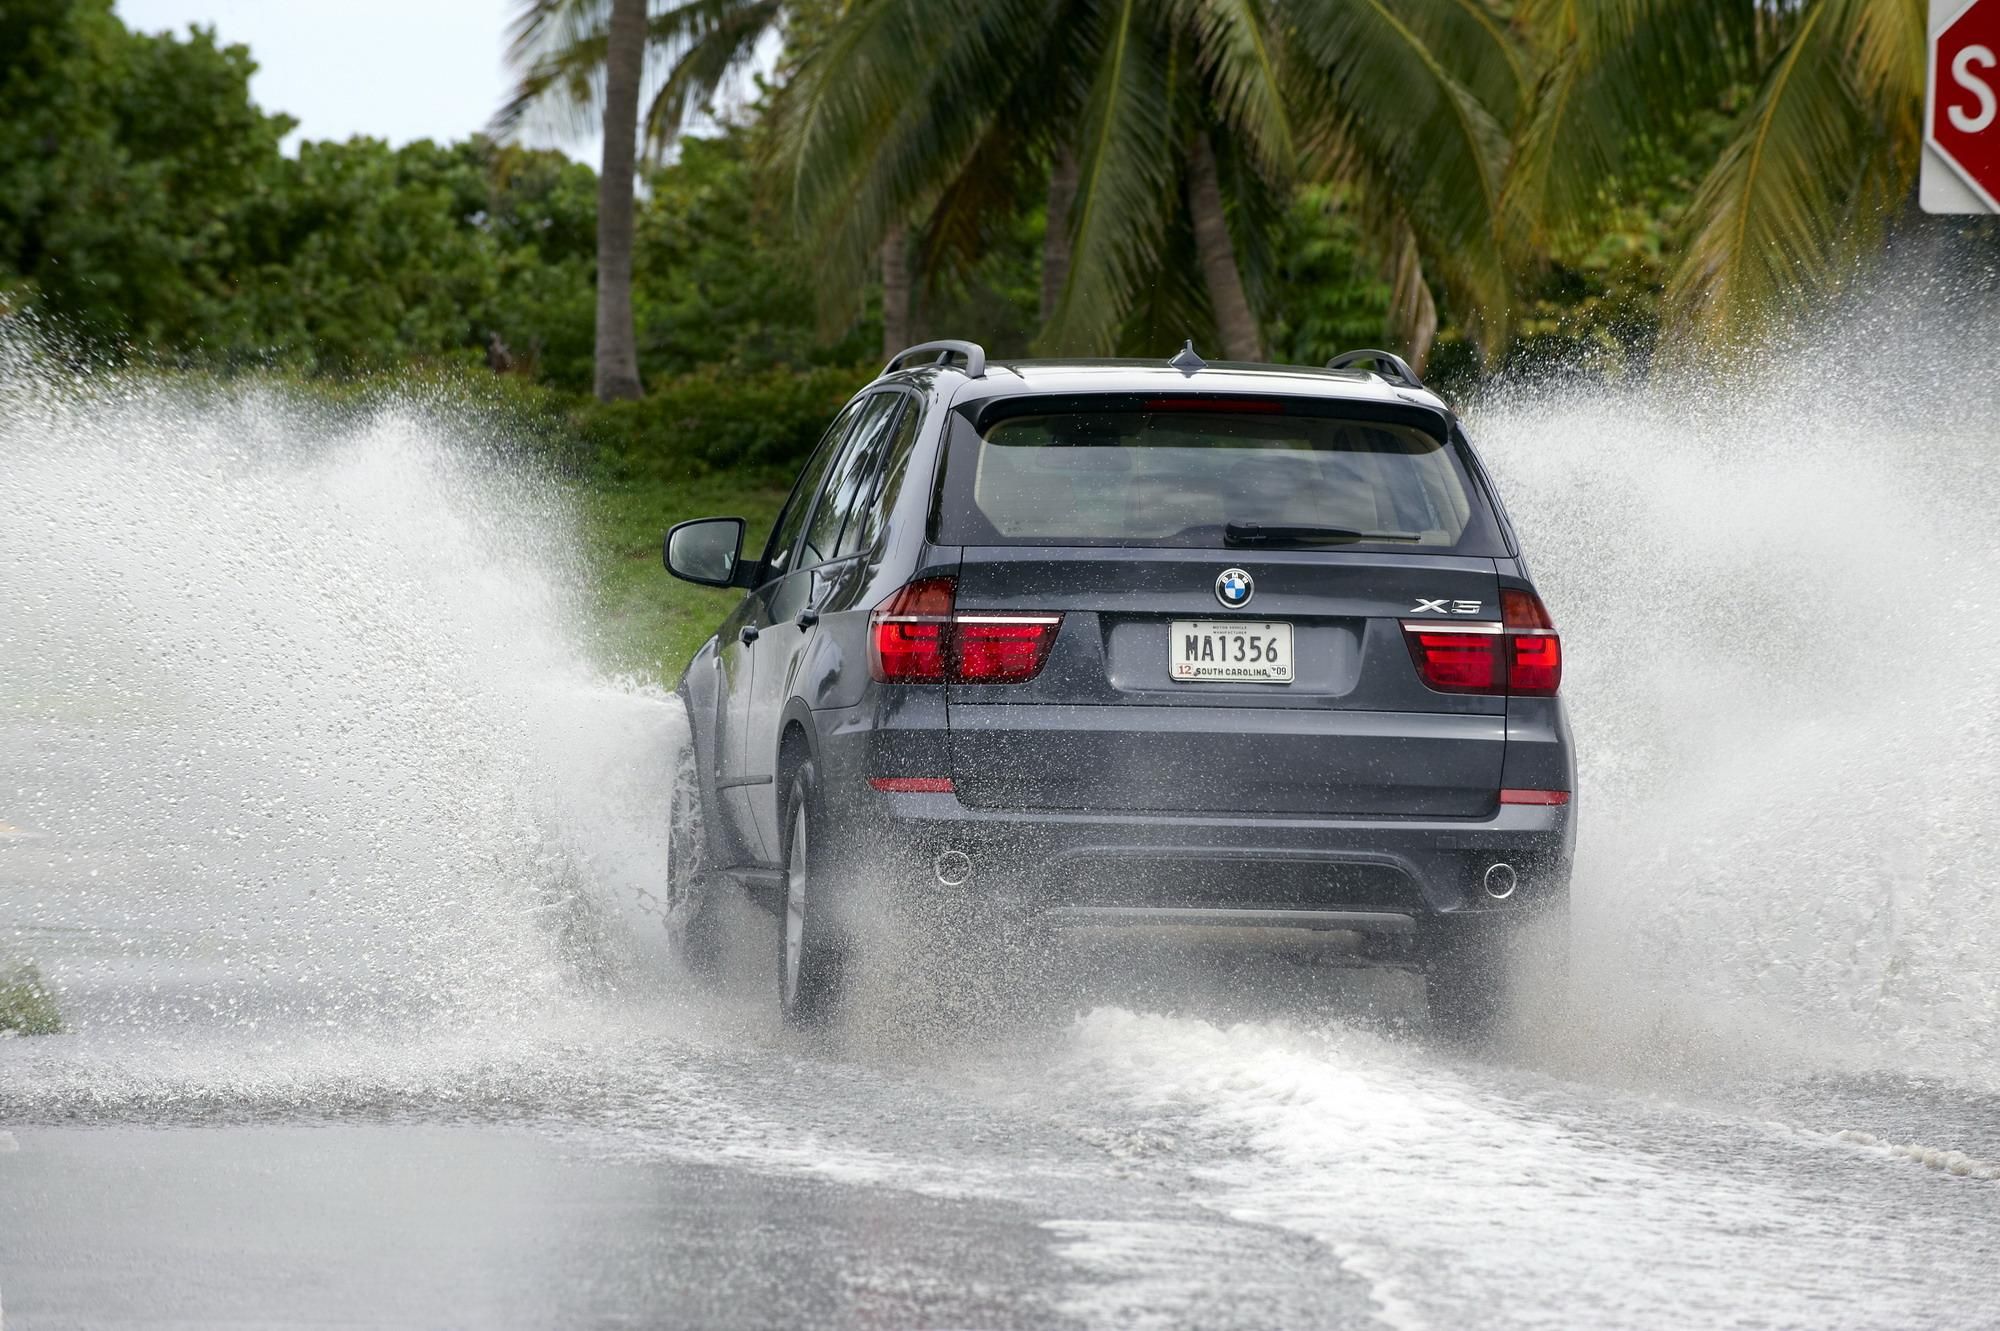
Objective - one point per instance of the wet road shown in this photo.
(285, 1102)
(341, 848)
(684, 1163)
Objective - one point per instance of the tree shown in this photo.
(1824, 149)
(592, 55)
(617, 338)
(1188, 121)
(126, 164)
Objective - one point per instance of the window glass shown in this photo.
(1181, 478)
(865, 531)
(844, 482)
(778, 555)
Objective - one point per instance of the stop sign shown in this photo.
(1963, 122)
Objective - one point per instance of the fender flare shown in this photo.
(700, 691)
(796, 712)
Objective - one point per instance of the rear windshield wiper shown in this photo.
(1257, 533)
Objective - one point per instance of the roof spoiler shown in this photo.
(1387, 364)
(972, 353)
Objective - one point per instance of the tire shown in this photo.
(693, 913)
(1466, 989)
(811, 960)
(1481, 975)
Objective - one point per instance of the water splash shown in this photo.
(1775, 583)
(298, 702)
(294, 703)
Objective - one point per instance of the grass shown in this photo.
(649, 622)
(26, 1006)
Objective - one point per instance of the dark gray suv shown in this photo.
(1056, 644)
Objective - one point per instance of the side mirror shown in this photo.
(706, 551)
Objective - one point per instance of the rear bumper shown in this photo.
(1372, 875)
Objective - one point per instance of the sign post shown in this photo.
(1961, 168)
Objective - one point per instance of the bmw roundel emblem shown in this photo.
(1234, 588)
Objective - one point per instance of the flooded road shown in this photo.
(1278, 1145)
(338, 858)
(1127, 1169)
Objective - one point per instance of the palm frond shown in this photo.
(1126, 180)
(717, 47)
(1887, 44)
(882, 117)
(559, 47)
(1235, 47)
(1441, 154)
(1475, 45)
(1413, 315)
(1800, 192)
(1619, 73)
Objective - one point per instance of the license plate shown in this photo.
(1245, 650)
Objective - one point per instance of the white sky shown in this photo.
(392, 69)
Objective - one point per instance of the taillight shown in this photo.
(1520, 656)
(907, 632)
(915, 637)
(1464, 658)
(1534, 651)
(1001, 649)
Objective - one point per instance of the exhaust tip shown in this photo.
(1500, 881)
(953, 868)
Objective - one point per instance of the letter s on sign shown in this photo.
(1982, 92)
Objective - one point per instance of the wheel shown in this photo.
(1465, 989)
(810, 958)
(1479, 975)
(693, 914)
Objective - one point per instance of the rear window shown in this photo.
(1174, 476)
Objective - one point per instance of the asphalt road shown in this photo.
(682, 1162)
(338, 852)
(325, 1074)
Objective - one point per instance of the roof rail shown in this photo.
(1387, 364)
(946, 348)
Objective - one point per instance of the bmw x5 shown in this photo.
(1052, 645)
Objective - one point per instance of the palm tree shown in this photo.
(591, 55)
(1825, 150)
(1186, 121)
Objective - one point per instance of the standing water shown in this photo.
(313, 806)
(301, 725)
(298, 736)
(1776, 584)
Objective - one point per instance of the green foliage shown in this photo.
(144, 205)
(124, 161)
(1326, 297)
(1811, 173)
(368, 256)
(146, 208)
(1598, 298)
(719, 280)
(26, 1005)
(688, 426)
(648, 623)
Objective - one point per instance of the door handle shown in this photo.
(808, 617)
(749, 634)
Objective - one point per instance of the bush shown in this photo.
(26, 1005)
(719, 420)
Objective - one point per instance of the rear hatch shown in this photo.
(1233, 577)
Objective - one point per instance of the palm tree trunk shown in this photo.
(1234, 320)
(617, 340)
(1413, 316)
(895, 290)
(1056, 240)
